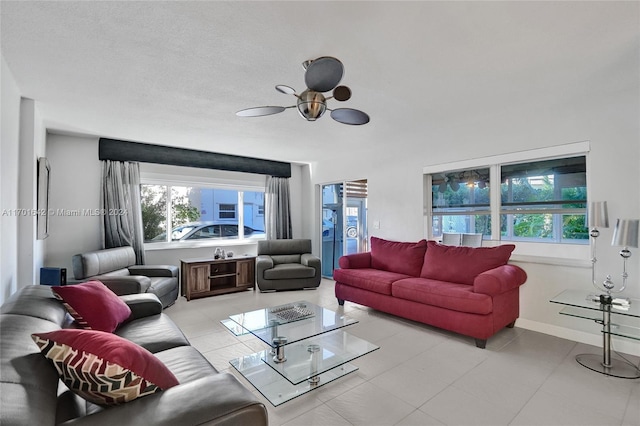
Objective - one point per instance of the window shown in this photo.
(227, 211)
(544, 200)
(536, 201)
(461, 202)
(200, 213)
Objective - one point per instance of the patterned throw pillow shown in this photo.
(93, 305)
(104, 368)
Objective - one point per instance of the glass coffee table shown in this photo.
(618, 317)
(307, 349)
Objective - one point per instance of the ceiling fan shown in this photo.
(321, 75)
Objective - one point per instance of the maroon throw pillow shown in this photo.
(400, 257)
(462, 264)
(93, 305)
(104, 368)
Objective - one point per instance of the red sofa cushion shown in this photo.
(93, 305)
(456, 297)
(368, 279)
(399, 257)
(462, 264)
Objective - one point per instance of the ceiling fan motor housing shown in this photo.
(311, 105)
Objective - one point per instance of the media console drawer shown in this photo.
(204, 277)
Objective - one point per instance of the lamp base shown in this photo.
(616, 369)
(607, 299)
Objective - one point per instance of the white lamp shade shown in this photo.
(598, 214)
(626, 233)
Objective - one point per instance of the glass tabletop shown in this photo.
(311, 357)
(294, 321)
(586, 300)
(276, 388)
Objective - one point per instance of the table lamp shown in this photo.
(598, 218)
(625, 235)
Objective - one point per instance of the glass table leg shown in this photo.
(278, 344)
(604, 364)
(314, 378)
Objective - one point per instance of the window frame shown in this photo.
(552, 252)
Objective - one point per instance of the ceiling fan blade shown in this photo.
(285, 89)
(323, 74)
(349, 116)
(342, 93)
(260, 111)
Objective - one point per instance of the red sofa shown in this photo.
(471, 291)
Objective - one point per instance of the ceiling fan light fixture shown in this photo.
(311, 105)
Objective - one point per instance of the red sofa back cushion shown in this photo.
(462, 264)
(399, 257)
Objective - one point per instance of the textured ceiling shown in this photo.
(174, 73)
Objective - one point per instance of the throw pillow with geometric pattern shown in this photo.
(104, 368)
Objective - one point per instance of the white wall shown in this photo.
(32, 146)
(23, 141)
(75, 186)
(10, 129)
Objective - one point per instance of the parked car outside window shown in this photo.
(207, 230)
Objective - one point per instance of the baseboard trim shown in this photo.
(622, 345)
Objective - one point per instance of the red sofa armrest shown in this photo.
(499, 280)
(355, 261)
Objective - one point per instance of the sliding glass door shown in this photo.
(344, 222)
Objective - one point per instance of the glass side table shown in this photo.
(581, 304)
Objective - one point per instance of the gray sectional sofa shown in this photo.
(116, 268)
(32, 394)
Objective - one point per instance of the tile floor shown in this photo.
(425, 376)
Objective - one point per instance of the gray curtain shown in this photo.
(120, 201)
(277, 209)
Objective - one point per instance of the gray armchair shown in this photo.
(116, 268)
(287, 265)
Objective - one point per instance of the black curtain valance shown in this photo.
(118, 150)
